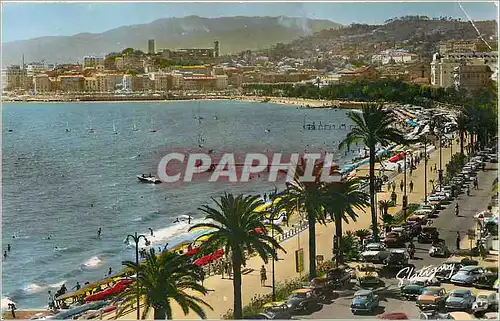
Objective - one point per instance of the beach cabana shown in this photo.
(115, 289)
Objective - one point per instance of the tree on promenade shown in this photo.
(306, 197)
(235, 223)
(371, 127)
(161, 280)
(341, 199)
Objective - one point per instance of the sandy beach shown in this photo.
(221, 298)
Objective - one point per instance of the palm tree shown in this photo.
(462, 125)
(161, 280)
(372, 126)
(301, 196)
(341, 200)
(234, 224)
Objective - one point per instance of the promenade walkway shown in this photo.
(221, 298)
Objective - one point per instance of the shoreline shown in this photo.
(284, 101)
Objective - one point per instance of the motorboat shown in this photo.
(148, 179)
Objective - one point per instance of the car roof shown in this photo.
(398, 251)
(436, 288)
(363, 292)
(460, 291)
(469, 268)
(302, 291)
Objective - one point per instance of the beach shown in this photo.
(221, 298)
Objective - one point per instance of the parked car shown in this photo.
(485, 301)
(447, 270)
(394, 239)
(397, 258)
(428, 207)
(486, 280)
(439, 249)
(393, 316)
(302, 300)
(428, 234)
(364, 301)
(432, 315)
(278, 312)
(432, 298)
(467, 275)
(459, 316)
(339, 276)
(411, 291)
(425, 212)
(367, 276)
(460, 300)
(375, 252)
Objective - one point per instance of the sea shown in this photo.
(62, 183)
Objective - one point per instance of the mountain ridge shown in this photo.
(235, 34)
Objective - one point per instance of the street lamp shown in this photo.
(274, 253)
(136, 238)
(425, 170)
(440, 160)
(405, 199)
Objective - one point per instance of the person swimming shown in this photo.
(99, 232)
(49, 237)
(8, 247)
(177, 220)
(151, 230)
(5, 254)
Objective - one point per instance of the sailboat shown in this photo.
(114, 128)
(90, 129)
(152, 130)
(134, 128)
(67, 127)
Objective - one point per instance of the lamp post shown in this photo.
(425, 170)
(440, 160)
(274, 253)
(136, 238)
(405, 201)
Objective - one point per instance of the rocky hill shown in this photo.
(234, 33)
(420, 35)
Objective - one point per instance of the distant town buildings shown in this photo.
(151, 47)
(391, 56)
(472, 77)
(457, 46)
(92, 62)
(443, 67)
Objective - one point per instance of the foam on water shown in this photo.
(93, 262)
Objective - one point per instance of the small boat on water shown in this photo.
(148, 179)
(153, 129)
(114, 128)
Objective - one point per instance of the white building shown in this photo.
(127, 82)
(14, 78)
(35, 68)
(394, 56)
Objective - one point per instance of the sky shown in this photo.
(30, 20)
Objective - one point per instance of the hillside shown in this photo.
(234, 33)
(419, 35)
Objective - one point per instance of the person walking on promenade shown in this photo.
(476, 185)
(263, 276)
(393, 186)
(458, 241)
(411, 186)
(401, 185)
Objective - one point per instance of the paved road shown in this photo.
(448, 224)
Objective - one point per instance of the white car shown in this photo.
(428, 213)
(485, 301)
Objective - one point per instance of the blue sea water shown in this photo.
(66, 185)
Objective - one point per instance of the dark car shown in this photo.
(364, 301)
(428, 235)
(394, 239)
(302, 300)
(411, 291)
(339, 277)
(447, 270)
(486, 280)
(397, 258)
